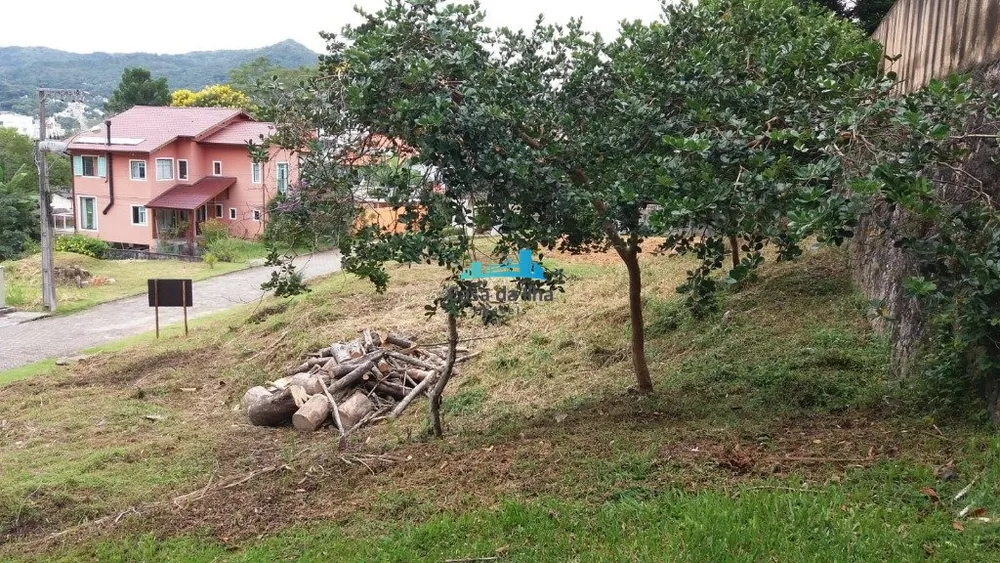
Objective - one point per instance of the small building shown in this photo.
(149, 177)
(63, 218)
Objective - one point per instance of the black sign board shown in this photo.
(170, 293)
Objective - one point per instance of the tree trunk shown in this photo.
(631, 258)
(442, 382)
(311, 415)
(384, 388)
(993, 399)
(267, 409)
(734, 243)
(354, 409)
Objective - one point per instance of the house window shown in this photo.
(282, 174)
(256, 215)
(218, 210)
(255, 172)
(88, 213)
(217, 168)
(232, 213)
(137, 169)
(182, 170)
(164, 169)
(90, 166)
(138, 215)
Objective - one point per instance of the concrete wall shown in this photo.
(939, 37)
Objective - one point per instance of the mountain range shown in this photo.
(23, 69)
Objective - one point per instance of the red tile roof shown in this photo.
(192, 196)
(239, 132)
(146, 128)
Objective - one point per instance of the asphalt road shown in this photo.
(68, 335)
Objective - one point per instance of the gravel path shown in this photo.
(68, 335)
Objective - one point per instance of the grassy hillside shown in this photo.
(25, 68)
(777, 435)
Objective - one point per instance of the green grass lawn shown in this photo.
(24, 281)
(780, 435)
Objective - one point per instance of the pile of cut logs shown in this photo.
(352, 383)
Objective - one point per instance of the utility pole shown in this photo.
(44, 201)
(45, 208)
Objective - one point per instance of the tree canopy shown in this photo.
(137, 88)
(259, 77)
(867, 14)
(726, 127)
(217, 95)
(18, 217)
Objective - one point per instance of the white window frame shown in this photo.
(214, 173)
(257, 215)
(220, 211)
(145, 170)
(156, 165)
(232, 214)
(187, 169)
(277, 177)
(82, 222)
(256, 173)
(145, 215)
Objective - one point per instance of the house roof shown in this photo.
(192, 196)
(147, 128)
(239, 132)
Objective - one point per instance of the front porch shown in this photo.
(177, 214)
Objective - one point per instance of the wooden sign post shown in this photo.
(170, 293)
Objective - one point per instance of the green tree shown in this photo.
(360, 141)
(866, 13)
(17, 163)
(137, 88)
(746, 128)
(18, 218)
(259, 79)
(870, 13)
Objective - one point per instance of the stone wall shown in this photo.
(934, 38)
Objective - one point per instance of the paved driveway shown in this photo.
(71, 334)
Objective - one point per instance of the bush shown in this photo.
(213, 230)
(210, 259)
(82, 244)
(225, 249)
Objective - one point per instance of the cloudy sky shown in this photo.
(180, 26)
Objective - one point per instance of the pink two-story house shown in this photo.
(150, 176)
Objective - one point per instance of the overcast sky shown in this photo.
(180, 26)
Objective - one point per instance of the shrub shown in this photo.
(210, 259)
(213, 230)
(225, 249)
(82, 244)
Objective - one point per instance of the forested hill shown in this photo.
(22, 69)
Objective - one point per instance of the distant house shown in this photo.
(150, 176)
(62, 214)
